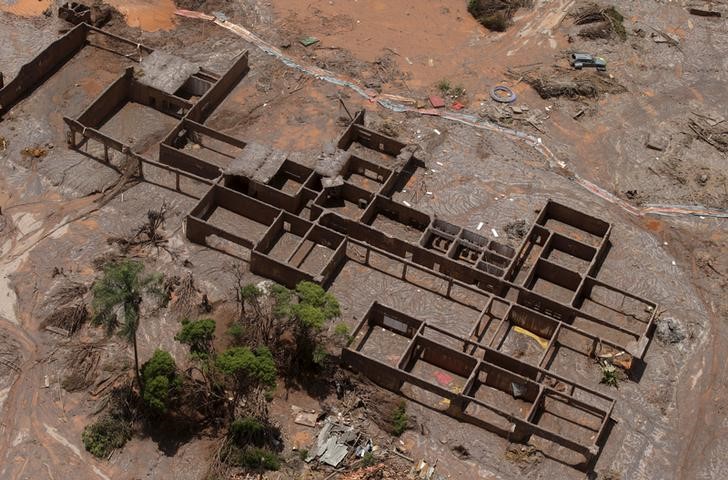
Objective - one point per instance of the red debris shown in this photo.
(436, 101)
(458, 106)
(443, 378)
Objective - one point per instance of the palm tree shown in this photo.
(117, 301)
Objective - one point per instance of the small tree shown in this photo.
(117, 301)
(246, 368)
(313, 295)
(250, 293)
(198, 334)
(160, 380)
(314, 308)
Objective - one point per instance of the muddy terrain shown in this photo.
(641, 146)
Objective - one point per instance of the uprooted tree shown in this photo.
(496, 15)
(148, 234)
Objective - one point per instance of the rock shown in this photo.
(670, 331)
(656, 142)
(703, 179)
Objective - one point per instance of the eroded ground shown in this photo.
(57, 213)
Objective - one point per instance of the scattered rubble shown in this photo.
(333, 443)
(669, 331)
(516, 229)
(34, 152)
(526, 457)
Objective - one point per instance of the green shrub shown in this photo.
(282, 297)
(319, 355)
(250, 292)
(368, 459)
(247, 430)
(399, 420)
(444, 86)
(160, 379)
(161, 364)
(198, 334)
(258, 459)
(105, 435)
(342, 331)
(236, 332)
(310, 293)
(610, 375)
(310, 316)
(156, 393)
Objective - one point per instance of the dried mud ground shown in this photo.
(56, 216)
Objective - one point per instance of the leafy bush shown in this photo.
(198, 334)
(246, 430)
(368, 459)
(341, 330)
(319, 356)
(399, 420)
(250, 291)
(616, 20)
(156, 393)
(282, 304)
(448, 90)
(236, 332)
(160, 379)
(444, 86)
(161, 364)
(610, 375)
(253, 458)
(310, 316)
(498, 22)
(313, 294)
(105, 435)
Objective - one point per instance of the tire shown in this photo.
(510, 97)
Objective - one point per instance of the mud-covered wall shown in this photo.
(41, 67)
(108, 102)
(217, 93)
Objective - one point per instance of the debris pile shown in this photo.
(516, 229)
(526, 457)
(69, 311)
(149, 234)
(600, 22)
(670, 331)
(333, 444)
(711, 131)
(496, 15)
(557, 82)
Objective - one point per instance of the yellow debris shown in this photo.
(541, 341)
